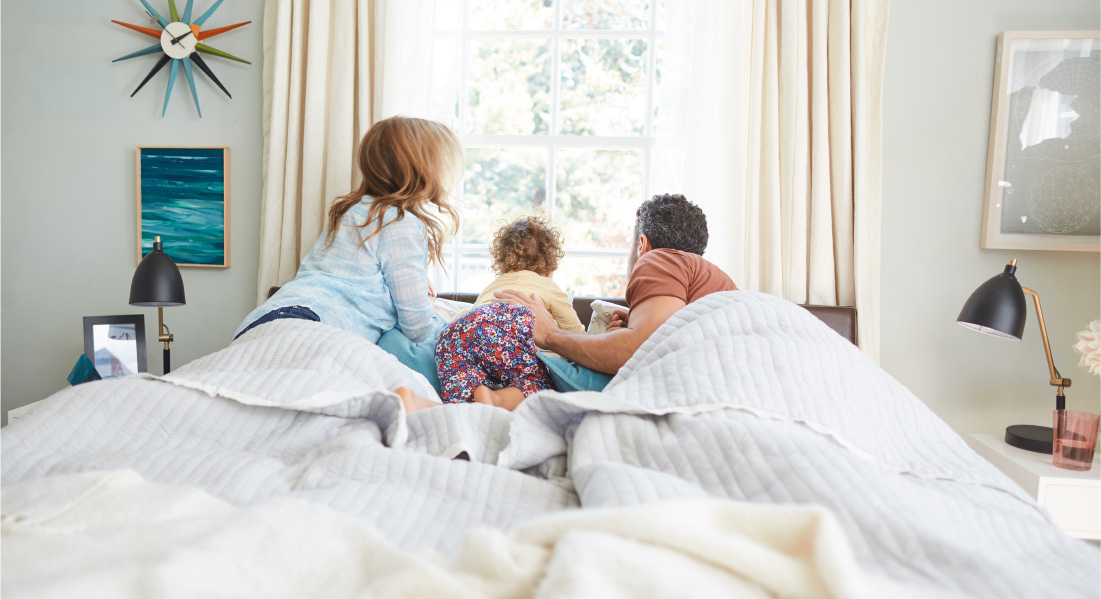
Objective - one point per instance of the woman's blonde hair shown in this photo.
(407, 163)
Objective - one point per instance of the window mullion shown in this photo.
(556, 78)
(464, 126)
(651, 81)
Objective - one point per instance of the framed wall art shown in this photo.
(1043, 173)
(183, 196)
(115, 344)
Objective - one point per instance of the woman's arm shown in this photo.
(403, 256)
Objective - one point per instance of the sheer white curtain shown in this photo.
(770, 119)
(331, 68)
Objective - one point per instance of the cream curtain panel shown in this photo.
(329, 72)
(316, 103)
(772, 122)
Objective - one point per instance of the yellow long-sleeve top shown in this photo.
(526, 281)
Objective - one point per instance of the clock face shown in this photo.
(180, 41)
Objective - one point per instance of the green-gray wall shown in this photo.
(69, 131)
(940, 65)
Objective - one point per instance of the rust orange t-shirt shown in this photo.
(674, 273)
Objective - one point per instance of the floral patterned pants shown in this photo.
(489, 345)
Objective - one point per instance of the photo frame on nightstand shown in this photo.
(116, 344)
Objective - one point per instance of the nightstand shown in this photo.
(1072, 498)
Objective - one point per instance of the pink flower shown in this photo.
(1089, 345)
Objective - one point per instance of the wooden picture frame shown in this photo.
(1043, 171)
(116, 344)
(183, 197)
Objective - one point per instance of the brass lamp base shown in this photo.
(1030, 437)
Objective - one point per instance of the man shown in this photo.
(665, 272)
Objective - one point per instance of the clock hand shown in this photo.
(176, 40)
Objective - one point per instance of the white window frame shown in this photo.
(553, 140)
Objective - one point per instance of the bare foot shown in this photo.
(508, 398)
(412, 401)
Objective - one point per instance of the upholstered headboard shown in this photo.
(839, 318)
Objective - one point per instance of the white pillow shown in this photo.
(449, 310)
(602, 315)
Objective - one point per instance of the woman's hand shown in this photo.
(431, 291)
(618, 320)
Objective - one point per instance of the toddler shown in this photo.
(488, 354)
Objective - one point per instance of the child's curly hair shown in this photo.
(529, 243)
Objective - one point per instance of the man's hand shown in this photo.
(618, 320)
(544, 323)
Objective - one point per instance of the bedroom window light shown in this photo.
(555, 104)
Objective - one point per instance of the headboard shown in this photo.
(839, 318)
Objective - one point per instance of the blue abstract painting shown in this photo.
(183, 197)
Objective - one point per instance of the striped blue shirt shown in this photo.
(366, 288)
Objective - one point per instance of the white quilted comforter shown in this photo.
(739, 396)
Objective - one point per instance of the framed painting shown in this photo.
(183, 196)
(1043, 170)
(115, 344)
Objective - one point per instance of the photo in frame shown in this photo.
(116, 344)
(1043, 183)
(183, 196)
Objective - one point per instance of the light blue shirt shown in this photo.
(366, 288)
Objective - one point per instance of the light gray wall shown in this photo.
(940, 65)
(69, 132)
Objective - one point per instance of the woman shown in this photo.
(368, 272)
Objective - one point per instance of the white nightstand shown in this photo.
(1072, 498)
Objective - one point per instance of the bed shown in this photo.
(747, 449)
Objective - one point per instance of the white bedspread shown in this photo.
(127, 538)
(740, 396)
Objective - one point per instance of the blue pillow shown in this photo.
(420, 357)
(568, 376)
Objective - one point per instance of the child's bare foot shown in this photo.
(508, 398)
(412, 401)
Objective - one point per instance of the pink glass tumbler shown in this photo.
(1074, 439)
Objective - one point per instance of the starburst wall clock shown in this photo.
(180, 42)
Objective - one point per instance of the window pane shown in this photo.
(660, 21)
(446, 82)
(474, 272)
(501, 184)
(511, 14)
(449, 15)
(510, 86)
(597, 194)
(606, 14)
(603, 87)
(659, 62)
(605, 276)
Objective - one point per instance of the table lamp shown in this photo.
(998, 308)
(157, 282)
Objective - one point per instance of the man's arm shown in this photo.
(606, 352)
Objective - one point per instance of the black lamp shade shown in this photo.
(997, 307)
(157, 281)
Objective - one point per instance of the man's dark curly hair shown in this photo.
(529, 243)
(672, 222)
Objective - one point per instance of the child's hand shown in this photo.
(618, 320)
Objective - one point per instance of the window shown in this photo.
(555, 104)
